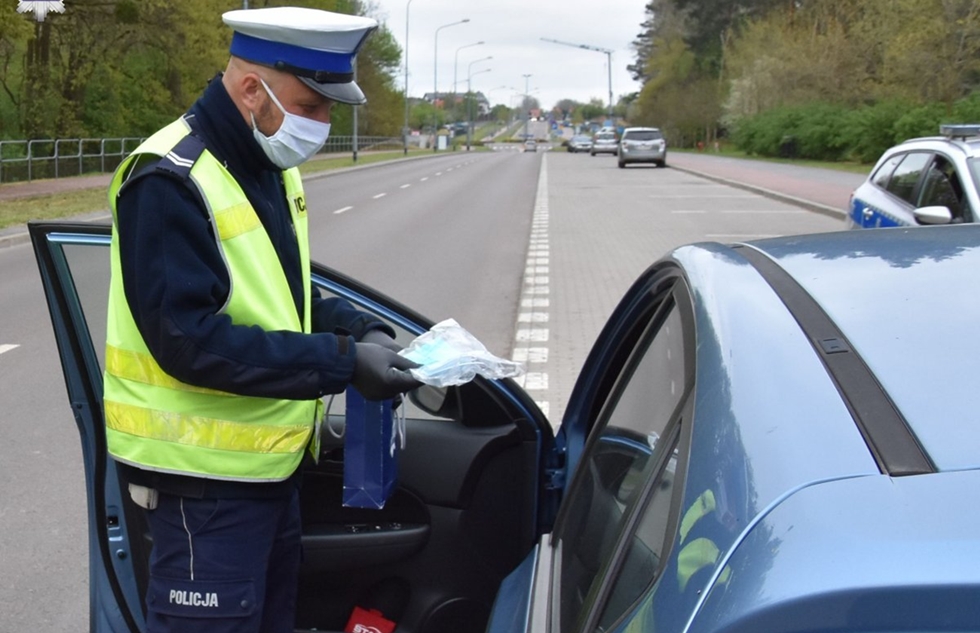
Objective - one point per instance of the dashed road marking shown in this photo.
(339, 211)
(406, 186)
(380, 195)
(7, 347)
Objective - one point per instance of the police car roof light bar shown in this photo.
(960, 131)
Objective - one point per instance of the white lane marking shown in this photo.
(531, 355)
(423, 179)
(6, 348)
(339, 211)
(380, 195)
(531, 338)
(535, 303)
(405, 186)
(438, 173)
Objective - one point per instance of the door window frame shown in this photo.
(677, 433)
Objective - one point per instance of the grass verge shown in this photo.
(52, 206)
(55, 206)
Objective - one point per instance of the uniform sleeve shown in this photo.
(176, 282)
(340, 317)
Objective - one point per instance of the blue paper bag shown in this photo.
(370, 452)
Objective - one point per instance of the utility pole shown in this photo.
(608, 53)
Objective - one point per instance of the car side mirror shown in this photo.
(933, 215)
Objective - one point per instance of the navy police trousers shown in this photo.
(222, 565)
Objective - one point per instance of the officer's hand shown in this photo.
(380, 374)
(378, 337)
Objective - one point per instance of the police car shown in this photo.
(932, 180)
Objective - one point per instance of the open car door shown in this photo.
(477, 478)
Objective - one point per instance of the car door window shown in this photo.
(942, 187)
(614, 478)
(906, 175)
(884, 173)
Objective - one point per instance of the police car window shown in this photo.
(906, 175)
(942, 187)
(884, 173)
(614, 471)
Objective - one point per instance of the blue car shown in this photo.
(933, 180)
(765, 437)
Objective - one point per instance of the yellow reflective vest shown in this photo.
(156, 422)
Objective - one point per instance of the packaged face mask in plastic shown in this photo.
(450, 355)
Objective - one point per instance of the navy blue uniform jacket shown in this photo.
(176, 282)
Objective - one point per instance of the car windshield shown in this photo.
(581, 139)
(605, 137)
(644, 135)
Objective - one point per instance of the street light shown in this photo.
(527, 107)
(435, 77)
(608, 52)
(405, 127)
(469, 96)
(456, 61)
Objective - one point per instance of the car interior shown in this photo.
(464, 513)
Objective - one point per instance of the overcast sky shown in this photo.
(511, 31)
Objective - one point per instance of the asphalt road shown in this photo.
(532, 261)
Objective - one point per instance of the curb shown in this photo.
(12, 236)
(809, 205)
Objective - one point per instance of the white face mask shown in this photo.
(296, 140)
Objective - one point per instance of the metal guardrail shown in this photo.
(68, 157)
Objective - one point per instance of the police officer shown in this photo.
(218, 350)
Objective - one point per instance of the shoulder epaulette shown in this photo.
(179, 160)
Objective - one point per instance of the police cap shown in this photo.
(318, 47)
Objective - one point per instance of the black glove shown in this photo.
(380, 374)
(378, 337)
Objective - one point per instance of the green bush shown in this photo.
(823, 131)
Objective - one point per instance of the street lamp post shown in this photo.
(456, 62)
(405, 127)
(469, 103)
(598, 49)
(527, 107)
(435, 79)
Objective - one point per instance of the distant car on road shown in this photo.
(580, 143)
(604, 143)
(530, 145)
(932, 180)
(642, 145)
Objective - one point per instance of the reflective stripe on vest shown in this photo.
(157, 422)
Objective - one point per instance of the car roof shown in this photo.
(969, 146)
(641, 129)
(906, 300)
(795, 480)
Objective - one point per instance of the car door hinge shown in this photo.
(555, 479)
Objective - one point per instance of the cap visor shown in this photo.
(342, 93)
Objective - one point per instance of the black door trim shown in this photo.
(886, 432)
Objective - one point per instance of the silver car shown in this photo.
(604, 143)
(642, 145)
